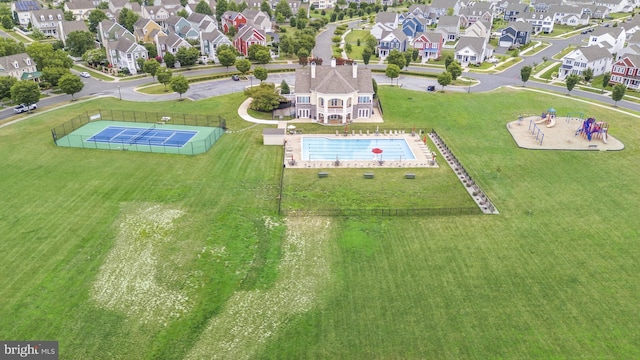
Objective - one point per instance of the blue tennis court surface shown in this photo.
(143, 136)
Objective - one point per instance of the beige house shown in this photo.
(19, 66)
(334, 94)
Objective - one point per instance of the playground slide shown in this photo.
(542, 120)
(552, 122)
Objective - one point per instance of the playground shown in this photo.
(575, 131)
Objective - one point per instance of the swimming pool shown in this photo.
(323, 148)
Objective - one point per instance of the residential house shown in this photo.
(145, 30)
(544, 5)
(79, 8)
(514, 11)
(389, 19)
(471, 50)
(630, 27)
(259, 19)
(449, 26)
(477, 11)
(615, 6)
(392, 40)
(168, 4)
(626, 71)
(479, 29)
(67, 27)
(540, 21)
(419, 10)
(515, 34)
(180, 26)
(203, 22)
(121, 46)
(441, 7)
(632, 48)
(19, 66)
(568, 15)
(334, 94)
(612, 39)
(22, 11)
(47, 21)
(596, 12)
(169, 43)
(247, 36)
(210, 41)
(429, 45)
(157, 13)
(232, 19)
(412, 25)
(594, 57)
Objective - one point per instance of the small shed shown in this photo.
(273, 136)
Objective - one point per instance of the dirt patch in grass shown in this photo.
(127, 281)
(251, 317)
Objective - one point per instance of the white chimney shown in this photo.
(313, 69)
(354, 67)
(333, 62)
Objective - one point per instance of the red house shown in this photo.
(247, 36)
(232, 18)
(429, 45)
(626, 71)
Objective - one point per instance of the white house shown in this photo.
(471, 50)
(594, 57)
(22, 10)
(611, 39)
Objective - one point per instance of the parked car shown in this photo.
(85, 74)
(585, 32)
(235, 77)
(431, 88)
(24, 108)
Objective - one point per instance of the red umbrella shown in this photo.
(376, 151)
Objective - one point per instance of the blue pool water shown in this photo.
(315, 148)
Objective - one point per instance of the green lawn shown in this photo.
(152, 256)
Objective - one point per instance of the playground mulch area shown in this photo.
(562, 136)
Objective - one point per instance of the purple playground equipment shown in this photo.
(592, 129)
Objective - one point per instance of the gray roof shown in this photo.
(475, 43)
(446, 21)
(71, 26)
(386, 17)
(80, 4)
(6, 62)
(333, 80)
(593, 53)
(601, 30)
(520, 26)
(273, 131)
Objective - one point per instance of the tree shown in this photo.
(286, 45)
(447, 61)
(187, 56)
(374, 83)
(164, 76)
(152, 50)
(78, 42)
(370, 42)
(232, 31)
(127, 18)
(25, 92)
(605, 81)
(95, 56)
(95, 17)
(68, 16)
(266, 8)
(203, 8)
(263, 57)
(37, 34)
(392, 72)
(253, 50)
(407, 58)
(444, 79)
(71, 84)
(183, 13)
(242, 6)
(454, 69)
(396, 57)
(9, 46)
(169, 60)
(221, 8)
(366, 56)
(283, 8)
(260, 73)
(140, 63)
(6, 82)
(618, 93)
(587, 74)
(525, 72)
(243, 65)
(151, 66)
(7, 23)
(284, 88)
(53, 74)
(571, 81)
(303, 56)
(226, 57)
(179, 84)
(265, 97)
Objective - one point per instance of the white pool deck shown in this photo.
(424, 156)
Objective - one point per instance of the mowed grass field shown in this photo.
(555, 275)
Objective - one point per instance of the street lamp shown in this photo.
(119, 93)
(469, 89)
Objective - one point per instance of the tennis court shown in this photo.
(147, 136)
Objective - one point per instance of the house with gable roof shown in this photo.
(333, 94)
(121, 46)
(514, 11)
(612, 39)
(412, 25)
(19, 66)
(594, 57)
(476, 12)
(540, 21)
(471, 50)
(515, 34)
(47, 21)
(632, 48)
(210, 41)
(569, 15)
(169, 43)
(247, 36)
(449, 26)
(145, 30)
(429, 45)
(232, 19)
(180, 26)
(626, 71)
(419, 10)
(157, 13)
(79, 8)
(479, 29)
(259, 19)
(203, 22)
(441, 7)
(67, 27)
(616, 6)
(631, 27)
(388, 18)
(392, 40)
(22, 11)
